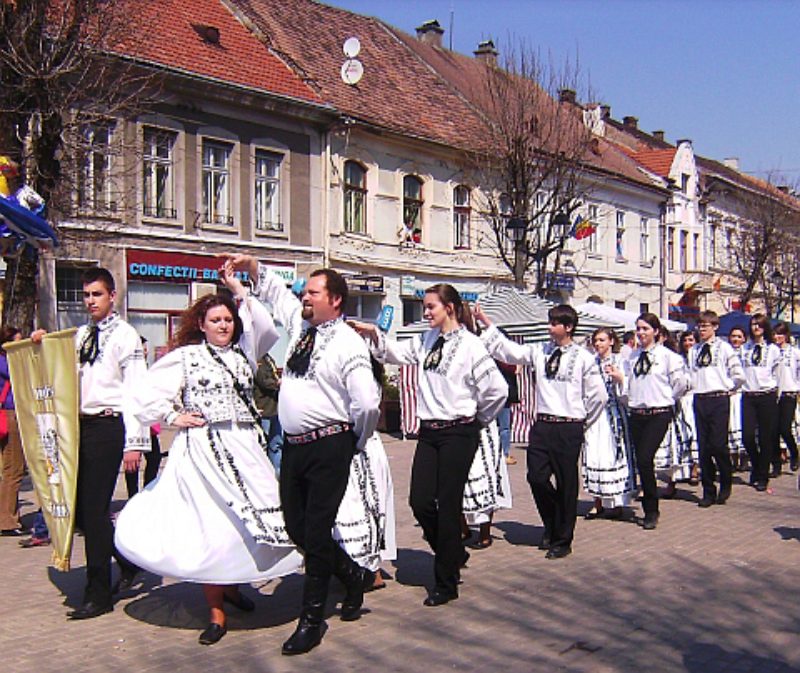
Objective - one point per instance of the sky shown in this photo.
(723, 73)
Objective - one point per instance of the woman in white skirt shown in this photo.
(488, 487)
(737, 338)
(608, 462)
(213, 516)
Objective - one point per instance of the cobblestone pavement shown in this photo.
(708, 590)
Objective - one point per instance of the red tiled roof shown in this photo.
(398, 92)
(656, 161)
(170, 37)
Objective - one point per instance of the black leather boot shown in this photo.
(351, 575)
(311, 626)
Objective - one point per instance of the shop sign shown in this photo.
(174, 267)
(407, 285)
(465, 296)
(365, 284)
(560, 281)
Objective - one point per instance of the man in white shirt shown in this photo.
(570, 394)
(111, 366)
(716, 372)
(328, 408)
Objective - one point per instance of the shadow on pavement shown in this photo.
(787, 532)
(705, 657)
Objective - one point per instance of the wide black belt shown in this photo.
(712, 394)
(760, 393)
(105, 413)
(650, 411)
(319, 433)
(450, 423)
(549, 418)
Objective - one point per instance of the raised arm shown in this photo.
(506, 350)
(383, 348)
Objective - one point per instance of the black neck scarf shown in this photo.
(90, 348)
(643, 364)
(757, 354)
(551, 366)
(434, 357)
(300, 359)
(704, 357)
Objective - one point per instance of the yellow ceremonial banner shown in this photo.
(44, 378)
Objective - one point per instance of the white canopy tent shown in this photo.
(626, 318)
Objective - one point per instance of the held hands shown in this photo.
(365, 329)
(614, 373)
(192, 419)
(38, 335)
(131, 460)
(478, 314)
(241, 262)
(227, 274)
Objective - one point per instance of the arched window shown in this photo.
(412, 208)
(461, 217)
(355, 198)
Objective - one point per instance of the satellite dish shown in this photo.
(351, 47)
(352, 71)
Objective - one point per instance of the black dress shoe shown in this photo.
(707, 501)
(595, 513)
(650, 521)
(558, 552)
(12, 532)
(464, 559)
(761, 486)
(212, 634)
(126, 580)
(438, 598)
(723, 496)
(544, 543)
(775, 472)
(794, 463)
(241, 602)
(306, 637)
(89, 610)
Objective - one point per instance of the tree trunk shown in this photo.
(19, 296)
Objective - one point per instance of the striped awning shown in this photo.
(521, 314)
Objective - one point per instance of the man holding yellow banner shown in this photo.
(110, 365)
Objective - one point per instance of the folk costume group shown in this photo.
(220, 516)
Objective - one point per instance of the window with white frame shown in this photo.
(684, 250)
(412, 208)
(355, 198)
(217, 183)
(644, 240)
(592, 240)
(620, 236)
(267, 189)
(671, 248)
(158, 173)
(712, 252)
(461, 216)
(729, 254)
(94, 192)
(695, 251)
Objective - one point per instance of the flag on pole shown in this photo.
(44, 378)
(582, 228)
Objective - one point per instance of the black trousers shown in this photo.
(312, 484)
(102, 440)
(647, 433)
(152, 461)
(553, 450)
(438, 476)
(759, 413)
(787, 405)
(711, 418)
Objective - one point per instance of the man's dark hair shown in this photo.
(629, 336)
(335, 284)
(710, 317)
(564, 314)
(96, 273)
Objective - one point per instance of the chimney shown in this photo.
(784, 188)
(567, 96)
(658, 135)
(430, 33)
(486, 52)
(605, 112)
(630, 122)
(731, 162)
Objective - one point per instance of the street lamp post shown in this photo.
(517, 231)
